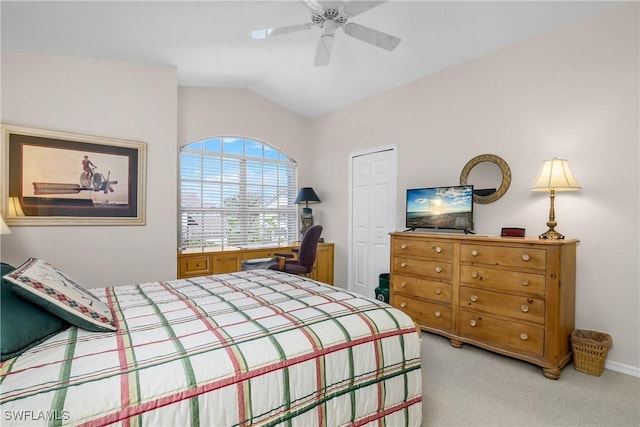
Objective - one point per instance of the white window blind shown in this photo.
(236, 192)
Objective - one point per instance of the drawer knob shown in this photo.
(438, 249)
(474, 298)
(474, 274)
(437, 314)
(403, 304)
(403, 284)
(524, 308)
(404, 246)
(473, 323)
(438, 269)
(524, 336)
(438, 291)
(525, 282)
(474, 253)
(526, 257)
(403, 264)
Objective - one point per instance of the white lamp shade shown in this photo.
(4, 229)
(555, 175)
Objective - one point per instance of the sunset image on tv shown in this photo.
(440, 207)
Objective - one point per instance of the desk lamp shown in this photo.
(306, 195)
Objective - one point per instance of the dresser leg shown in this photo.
(551, 373)
(456, 343)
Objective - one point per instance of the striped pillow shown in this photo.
(43, 284)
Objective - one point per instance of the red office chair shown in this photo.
(306, 254)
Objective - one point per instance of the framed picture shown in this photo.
(59, 178)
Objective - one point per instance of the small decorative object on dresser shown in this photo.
(515, 297)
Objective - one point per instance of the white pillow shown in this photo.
(43, 284)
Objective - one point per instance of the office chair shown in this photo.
(306, 254)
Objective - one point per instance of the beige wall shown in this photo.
(136, 102)
(572, 93)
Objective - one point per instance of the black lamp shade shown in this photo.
(307, 195)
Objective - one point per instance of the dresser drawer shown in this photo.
(519, 307)
(521, 257)
(421, 288)
(414, 266)
(424, 248)
(503, 280)
(424, 313)
(512, 335)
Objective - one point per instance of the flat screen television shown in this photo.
(440, 208)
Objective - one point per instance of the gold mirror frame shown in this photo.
(504, 169)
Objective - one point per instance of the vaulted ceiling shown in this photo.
(209, 42)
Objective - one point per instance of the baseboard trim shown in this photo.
(622, 368)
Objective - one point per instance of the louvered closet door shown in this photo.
(373, 203)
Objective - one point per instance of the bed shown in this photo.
(257, 347)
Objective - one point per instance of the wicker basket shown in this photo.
(590, 350)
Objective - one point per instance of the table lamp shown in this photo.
(4, 229)
(554, 175)
(306, 195)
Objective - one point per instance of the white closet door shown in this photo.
(373, 199)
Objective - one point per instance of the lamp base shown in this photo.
(551, 234)
(306, 220)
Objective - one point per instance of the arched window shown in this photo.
(236, 191)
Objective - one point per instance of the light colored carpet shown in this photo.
(474, 387)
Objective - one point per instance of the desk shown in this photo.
(205, 261)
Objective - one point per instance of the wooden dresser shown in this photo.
(514, 296)
(204, 261)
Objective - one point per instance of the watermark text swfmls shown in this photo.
(31, 415)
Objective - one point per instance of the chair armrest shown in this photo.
(283, 255)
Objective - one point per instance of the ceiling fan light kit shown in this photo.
(328, 17)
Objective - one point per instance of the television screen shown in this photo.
(440, 207)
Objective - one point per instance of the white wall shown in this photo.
(207, 112)
(135, 102)
(572, 93)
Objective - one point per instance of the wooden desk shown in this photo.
(205, 261)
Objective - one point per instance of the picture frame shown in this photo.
(54, 178)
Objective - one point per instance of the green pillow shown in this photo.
(23, 324)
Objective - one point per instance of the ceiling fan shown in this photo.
(329, 16)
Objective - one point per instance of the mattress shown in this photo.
(258, 347)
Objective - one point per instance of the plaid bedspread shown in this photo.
(249, 348)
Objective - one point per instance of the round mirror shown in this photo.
(490, 176)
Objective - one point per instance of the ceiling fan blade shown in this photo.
(312, 5)
(268, 32)
(356, 7)
(323, 52)
(371, 36)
